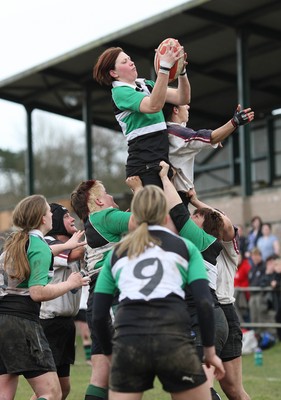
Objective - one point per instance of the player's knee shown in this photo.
(55, 393)
(234, 392)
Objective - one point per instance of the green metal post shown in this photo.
(270, 153)
(29, 161)
(87, 118)
(243, 98)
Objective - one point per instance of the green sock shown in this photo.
(96, 393)
(87, 351)
(41, 398)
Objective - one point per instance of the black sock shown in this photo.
(87, 351)
(214, 394)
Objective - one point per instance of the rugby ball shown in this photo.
(178, 66)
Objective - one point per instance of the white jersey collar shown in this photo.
(140, 81)
(36, 232)
(176, 123)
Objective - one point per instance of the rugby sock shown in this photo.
(214, 394)
(87, 351)
(41, 398)
(96, 393)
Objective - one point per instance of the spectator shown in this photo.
(242, 240)
(268, 243)
(271, 298)
(268, 296)
(276, 285)
(256, 277)
(241, 279)
(254, 234)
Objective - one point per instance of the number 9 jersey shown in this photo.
(151, 285)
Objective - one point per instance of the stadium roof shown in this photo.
(211, 32)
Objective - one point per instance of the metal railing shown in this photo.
(250, 289)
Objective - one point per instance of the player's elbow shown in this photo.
(151, 107)
(156, 108)
(37, 293)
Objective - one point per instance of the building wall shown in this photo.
(266, 203)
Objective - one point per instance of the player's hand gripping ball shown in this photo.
(177, 68)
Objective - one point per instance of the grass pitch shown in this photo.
(262, 383)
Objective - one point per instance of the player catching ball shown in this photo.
(138, 106)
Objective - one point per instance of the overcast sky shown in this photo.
(35, 31)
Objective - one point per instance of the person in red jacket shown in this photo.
(241, 280)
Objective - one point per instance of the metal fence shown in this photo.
(239, 291)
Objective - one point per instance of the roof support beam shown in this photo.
(271, 151)
(29, 161)
(242, 20)
(243, 99)
(87, 118)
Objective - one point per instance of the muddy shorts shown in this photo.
(233, 346)
(138, 359)
(60, 333)
(24, 347)
(221, 332)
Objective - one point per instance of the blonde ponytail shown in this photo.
(149, 207)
